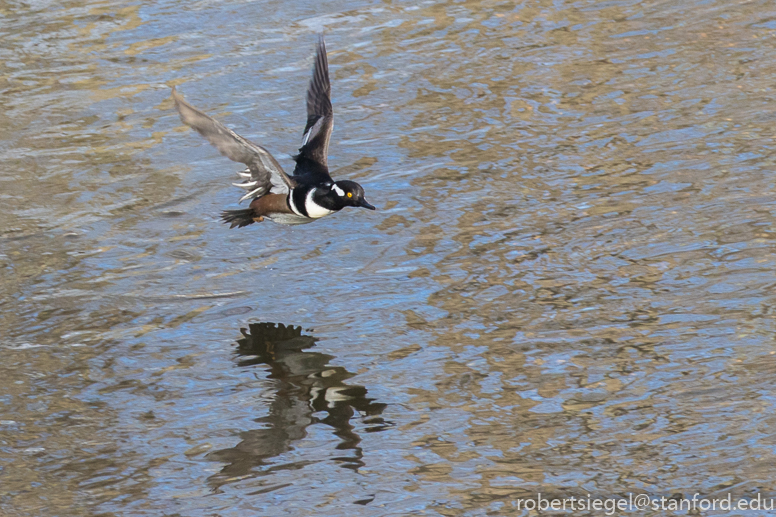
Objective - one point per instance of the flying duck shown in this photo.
(307, 195)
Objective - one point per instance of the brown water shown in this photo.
(568, 286)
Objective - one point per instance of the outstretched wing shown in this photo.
(265, 176)
(312, 155)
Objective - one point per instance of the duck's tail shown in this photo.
(238, 218)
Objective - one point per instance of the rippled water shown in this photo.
(568, 286)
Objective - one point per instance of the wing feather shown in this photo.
(320, 115)
(266, 174)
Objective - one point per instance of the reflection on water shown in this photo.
(304, 385)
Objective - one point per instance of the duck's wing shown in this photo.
(312, 157)
(265, 174)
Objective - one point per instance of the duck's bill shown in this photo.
(364, 204)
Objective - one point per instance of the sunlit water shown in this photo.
(568, 286)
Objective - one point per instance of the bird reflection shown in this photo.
(304, 384)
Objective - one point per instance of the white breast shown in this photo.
(314, 210)
(289, 219)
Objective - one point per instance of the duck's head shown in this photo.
(349, 193)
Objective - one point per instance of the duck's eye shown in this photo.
(350, 194)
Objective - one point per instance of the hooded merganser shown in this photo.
(310, 193)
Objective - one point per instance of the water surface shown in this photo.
(567, 288)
